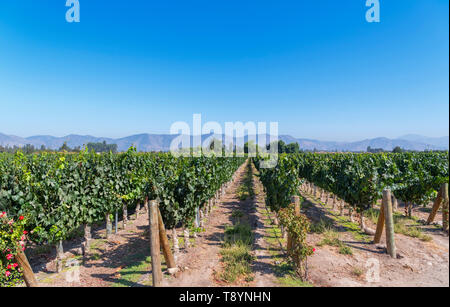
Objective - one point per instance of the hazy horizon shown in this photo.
(318, 68)
(294, 136)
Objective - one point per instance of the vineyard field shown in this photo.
(58, 202)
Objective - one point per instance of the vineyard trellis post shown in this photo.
(28, 275)
(394, 203)
(138, 208)
(389, 221)
(296, 200)
(108, 231)
(436, 205)
(124, 215)
(165, 244)
(176, 246)
(116, 221)
(445, 221)
(155, 244)
(87, 238)
(386, 218)
(59, 256)
(380, 225)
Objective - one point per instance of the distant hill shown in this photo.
(441, 142)
(385, 143)
(161, 142)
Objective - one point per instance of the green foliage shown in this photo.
(59, 192)
(297, 227)
(420, 176)
(280, 182)
(102, 147)
(359, 179)
(397, 149)
(285, 148)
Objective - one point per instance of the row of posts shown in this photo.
(386, 218)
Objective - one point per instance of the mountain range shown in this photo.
(161, 142)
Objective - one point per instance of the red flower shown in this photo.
(7, 273)
(9, 267)
(15, 265)
(21, 217)
(25, 232)
(9, 256)
(314, 250)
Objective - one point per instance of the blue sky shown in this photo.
(315, 66)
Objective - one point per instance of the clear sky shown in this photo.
(315, 66)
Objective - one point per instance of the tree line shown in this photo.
(29, 149)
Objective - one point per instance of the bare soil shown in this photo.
(420, 264)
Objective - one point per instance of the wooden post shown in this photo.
(146, 204)
(125, 215)
(390, 240)
(341, 207)
(108, 225)
(154, 244)
(28, 275)
(380, 225)
(59, 256)
(394, 204)
(116, 221)
(296, 201)
(170, 261)
(176, 246)
(87, 238)
(186, 236)
(436, 205)
(445, 208)
(138, 208)
(202, 217)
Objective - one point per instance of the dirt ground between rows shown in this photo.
(421, 264)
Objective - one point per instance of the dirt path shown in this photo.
(264, 264)
(200, 262)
